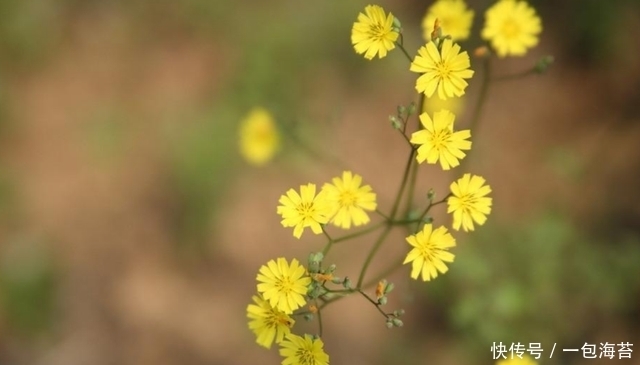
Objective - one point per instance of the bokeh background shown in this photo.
(131, 229)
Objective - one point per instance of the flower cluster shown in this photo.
(287, 289)
(342, 202)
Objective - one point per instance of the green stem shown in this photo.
(431, 205)
(359, 233)
(376, 304)
(403, 185)
(392, 215)
(384, 273)
(404, 51)
(414, 171)
(329, 244)
(371, 254)
(319, 319)
(514, 76)
(484, 89)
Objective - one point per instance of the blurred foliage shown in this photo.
(106, 133)
(27, 286)
(201, 169)
(537, 282)
(28, 29)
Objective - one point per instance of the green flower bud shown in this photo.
(382, 301)
(543, 64)
(412, 108)
(331, 268)
(396, 322)
(336, 280)
(396, 24)
(389, 288)
(308, 317)
(431, 194)
(389, 323)
(401, 110)
(346, 283)
(398, 313)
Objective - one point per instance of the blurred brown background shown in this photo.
(131, 230)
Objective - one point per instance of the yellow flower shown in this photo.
(430, 252)
(455, 19)
(454, 105)
(283, 285)
(526, 360)
(373, 33)
(350, 200)
(512, 26)
(269, 324)
(305, 350)
(304, 210)
(259, 137)
(469, 202)
(443, 69)
(438, 141)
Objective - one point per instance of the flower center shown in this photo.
(443, 70)
(377, 31)
(285, 285)
(347, 199)
(510, 28)
(440, 138)
(305, 357)
(467, 202)
(305, 210)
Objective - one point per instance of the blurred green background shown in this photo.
(131, 229)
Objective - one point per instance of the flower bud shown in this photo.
(346, 283)
(411, 109)
(382, 300)
(389, 323)
(481, 52)
(543, 64)
(388, 288)
(396, 322)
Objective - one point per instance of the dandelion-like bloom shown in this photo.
(526, 360)
(305, 350)
(304, 210)
(454, 17)
(430, 252)
(512, 27)
(444, 70)
(283, 285)
(268, 323)
(374, 33)
(259, 137)
(350, 200)
(438, 141)
(469, 202)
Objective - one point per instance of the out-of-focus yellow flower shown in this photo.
(454, 17)
(512, 27)
(259, 137)
(454, 105)
(526, 360)
(373, 33)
